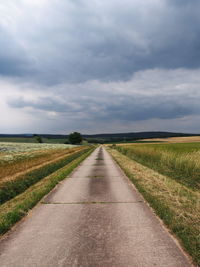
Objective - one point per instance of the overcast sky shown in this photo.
(99, 66)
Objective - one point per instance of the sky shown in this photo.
(99, 66)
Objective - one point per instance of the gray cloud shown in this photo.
(43, 103)
(13, 59)
(154, 94)
(124, 108)
(76, 41)
(99, 65)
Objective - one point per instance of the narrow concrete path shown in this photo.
(94, 218)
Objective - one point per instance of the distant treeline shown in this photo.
(105, 138)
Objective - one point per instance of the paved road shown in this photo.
(94, 218)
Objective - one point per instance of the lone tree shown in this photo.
(75, 138)
(38, 138)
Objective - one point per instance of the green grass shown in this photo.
(33, 140)
(54, 140)
(13, 210)
(178, 148)
(18, 139)
(179, 161)
(177, 205)
(12, 188)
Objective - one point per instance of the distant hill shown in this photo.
(133, 136)
(138, 135)
(103, 138)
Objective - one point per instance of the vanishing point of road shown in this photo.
(95, 217)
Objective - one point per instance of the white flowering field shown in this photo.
(13, 151)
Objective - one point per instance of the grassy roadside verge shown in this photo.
(12, 188)
(177, 205)
(13, 210)
(180, 165)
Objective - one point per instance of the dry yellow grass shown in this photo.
(181, 199)
(188, 139)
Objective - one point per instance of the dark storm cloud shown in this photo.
(13, 59)
(83, 63)
(75, 41)
(145, 109)
(109, 107)
(153, 94)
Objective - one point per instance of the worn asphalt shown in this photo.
(95, 217)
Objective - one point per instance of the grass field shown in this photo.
(18, 139)
(168, 176)
(185, 139)
(180, 161)
(23, 167)
(32, 140)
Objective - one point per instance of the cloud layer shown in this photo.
(148, 95)
(55, 41)
(99, 65)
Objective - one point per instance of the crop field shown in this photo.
(180, 161)
(14, 148)
(23, 166)
(16, 157)
(184, 139)
(168, 176)
(32, 140)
